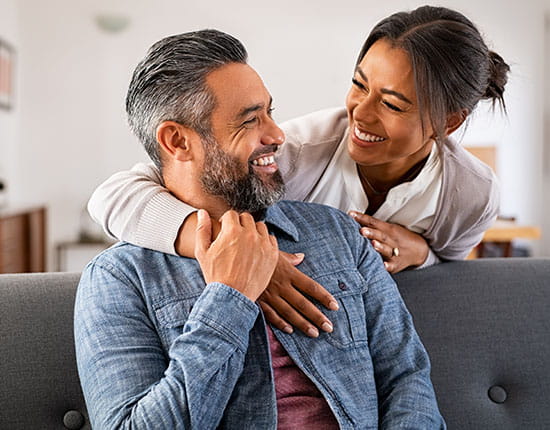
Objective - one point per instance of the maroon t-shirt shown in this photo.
(299, 403)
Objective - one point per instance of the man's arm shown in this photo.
(128, 379)
(401, 364)
(130, 382)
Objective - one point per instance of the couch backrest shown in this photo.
(39, 386)
(485, 324)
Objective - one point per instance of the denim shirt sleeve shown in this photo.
(130, 381)
(401, 365)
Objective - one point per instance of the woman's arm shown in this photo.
(129, 205)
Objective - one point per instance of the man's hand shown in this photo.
(399, 247)
(243, 255)
(285, 305)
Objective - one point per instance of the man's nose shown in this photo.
(273, 135)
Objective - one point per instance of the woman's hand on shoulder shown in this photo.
(399, 247)
(284, 304)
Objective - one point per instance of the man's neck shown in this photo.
(194, 195)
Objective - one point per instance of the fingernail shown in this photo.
(312, 332)
(300, 255)
(333, 305)
(376, 245)
(326, 326)
(352, 214)
(288, 329)
(365, 232)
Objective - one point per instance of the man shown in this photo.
(169, 342)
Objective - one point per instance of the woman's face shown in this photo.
(385, 123)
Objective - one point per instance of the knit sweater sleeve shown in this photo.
(133, 206)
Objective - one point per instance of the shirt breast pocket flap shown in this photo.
(349, 322)
(172, 316)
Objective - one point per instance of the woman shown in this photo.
(387, 159)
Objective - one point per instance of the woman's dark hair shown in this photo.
(453, 68)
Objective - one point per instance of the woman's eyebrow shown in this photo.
(397, 94)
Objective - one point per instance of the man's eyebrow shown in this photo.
(397, 94)
(254, 108)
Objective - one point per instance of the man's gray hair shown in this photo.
(169, 84)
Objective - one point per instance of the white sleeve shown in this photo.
(135, 207)
(431, 260)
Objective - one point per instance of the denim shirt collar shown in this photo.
(276, 217)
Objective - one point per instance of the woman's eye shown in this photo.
(358, 84)
(393, 107)
(270, 111)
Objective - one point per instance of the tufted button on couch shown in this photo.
(485, 323)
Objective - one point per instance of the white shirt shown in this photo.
(411, 204)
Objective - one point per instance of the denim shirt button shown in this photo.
(342, 286)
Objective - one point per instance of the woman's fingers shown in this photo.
(273, 317)
(374, 234)
(365, 220)
(293, 259)
(285, 312)
(313, 289)
(286, 301)
(392, 267)
(307, 309)
(384, 249)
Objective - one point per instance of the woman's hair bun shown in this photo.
(498, 76)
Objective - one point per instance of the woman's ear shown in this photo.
(455, 120)
(176, 141)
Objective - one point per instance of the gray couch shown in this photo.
(485, 324)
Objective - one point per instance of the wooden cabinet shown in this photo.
(22, 240)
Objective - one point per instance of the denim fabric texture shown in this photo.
(158, 349)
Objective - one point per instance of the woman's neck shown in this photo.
(379, 179)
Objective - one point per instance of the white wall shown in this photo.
(9, 119)
(71, 130)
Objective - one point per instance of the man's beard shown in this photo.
(223, 177)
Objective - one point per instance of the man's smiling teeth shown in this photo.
(368, 137)
(264, 161)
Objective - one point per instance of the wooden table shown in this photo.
(504, 232)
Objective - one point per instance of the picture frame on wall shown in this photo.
(7, 60)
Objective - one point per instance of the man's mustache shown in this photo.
(265, 149)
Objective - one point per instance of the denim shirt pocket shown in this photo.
(350, 326)
(171, 316)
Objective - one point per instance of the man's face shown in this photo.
(239, 163)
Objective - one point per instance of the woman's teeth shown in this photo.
(368, 137)
(264, 161)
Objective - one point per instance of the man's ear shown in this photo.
(455, 120)
(176, 141)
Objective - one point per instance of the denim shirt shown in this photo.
(157, 348)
